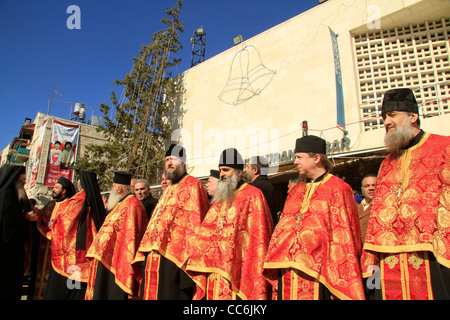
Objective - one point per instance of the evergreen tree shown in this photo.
(140, 124)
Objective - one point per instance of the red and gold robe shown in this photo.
(171, 230)
(48, 212)
(116, 243)
(317, 241)
(66, 260)
(227, 258)
(410, 218)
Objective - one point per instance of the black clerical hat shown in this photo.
(68, 185)
(215, 174)
(401, 99)
(64, 182)
(122, 177)
(311, 144)
(178, 151)
(231, 158)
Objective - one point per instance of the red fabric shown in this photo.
(406, 276)
(420, 220)
(152, 276)
(325, 242)
(297, 285)
(44, 255)
(116, 243)
(63, 238)
(236, 252)
(171, 230)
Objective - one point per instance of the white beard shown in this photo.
(400, 137)
(21, 192)
(226, 188)
(113, 199)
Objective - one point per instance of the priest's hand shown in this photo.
(31, 216)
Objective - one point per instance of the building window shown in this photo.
(414, 56)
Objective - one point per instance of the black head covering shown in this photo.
(401, 99)
(231, 158)
(122, 177)
(66, 184)
(178, 151)
(311, 144)
(215, 174)
(8, 176)
(88, 181)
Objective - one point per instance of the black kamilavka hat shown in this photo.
(215, 174)
(311, 144)
(122, 177)
(178, 151)
(68, 185)
(401, 99)
(231, 158)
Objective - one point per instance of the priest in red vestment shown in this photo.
(72, 229)
(316, 246)
(164, 249)
(407, 248)
(227, 257)
(62, 191)
(111, 276)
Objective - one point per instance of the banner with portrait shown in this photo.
(62, 152)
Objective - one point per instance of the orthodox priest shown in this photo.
(227, 258)
(111, 276)
(164, 249)
(13, 200)
(316, 246)
(73, 228)
(62, 191)
(408, 234)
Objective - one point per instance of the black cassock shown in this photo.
(12, 233)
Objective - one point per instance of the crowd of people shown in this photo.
(223, 241)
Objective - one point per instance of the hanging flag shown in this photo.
(62, 152)
(37, 157)
(338, 72)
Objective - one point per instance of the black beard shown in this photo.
(57, 197)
